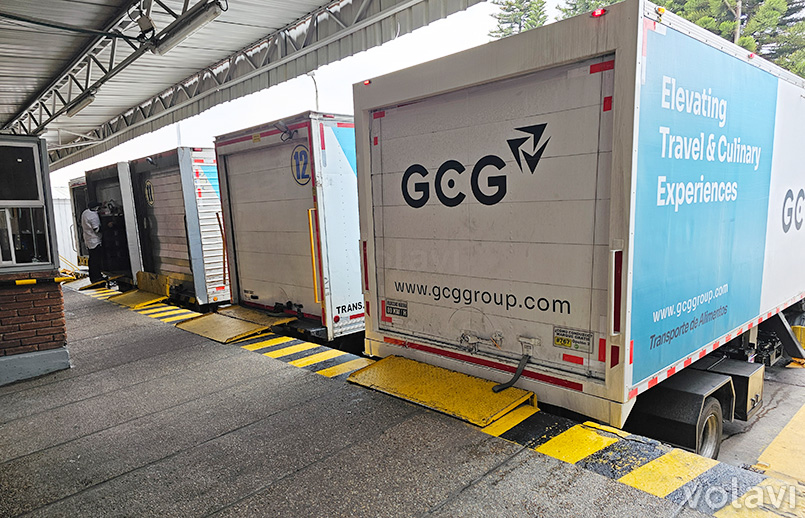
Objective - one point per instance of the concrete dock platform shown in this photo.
(154, 421)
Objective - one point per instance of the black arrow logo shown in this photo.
(531, 159)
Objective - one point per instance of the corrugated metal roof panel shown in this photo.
(31, 58)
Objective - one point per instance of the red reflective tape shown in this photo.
(199, 193)
(749, 326)
(198, 160)
(393, 341)
(375, 141)
(617, 296)
(356, 315)
(378, 115)
(345, 125)
(383, 316)
(633, 393)
(220, 288)
(631, 352)
(702, 353)
(670, 372)
(321, 133)
(602, 67)
(578, 360)
(602, 350)
(615, 357)
(607, 103)
(198, 173)
(652, 382)
(688, 362)
(365, 268)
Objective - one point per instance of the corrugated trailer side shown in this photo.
(205, 224)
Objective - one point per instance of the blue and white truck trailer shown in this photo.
(290, 201)
(601, 202)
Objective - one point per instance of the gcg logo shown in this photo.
(416, 191)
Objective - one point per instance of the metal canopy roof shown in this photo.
(46, 72)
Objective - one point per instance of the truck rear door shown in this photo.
(491, 217)
(270, 196)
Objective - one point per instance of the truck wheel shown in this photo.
(711, 425)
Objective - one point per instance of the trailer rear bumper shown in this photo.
(550, 388)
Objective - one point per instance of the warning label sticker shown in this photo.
(572, 339)
(396, 308)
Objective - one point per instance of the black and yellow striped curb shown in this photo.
(28, 282)
(320, 359)
(100, 293)
(684, 478)
(162, 312)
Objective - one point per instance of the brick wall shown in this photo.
(31, 316)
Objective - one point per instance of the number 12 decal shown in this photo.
(300, 165)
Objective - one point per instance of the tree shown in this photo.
(519, 15)
(774, 29)
(576, 7)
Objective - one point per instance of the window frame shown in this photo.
(44, 202)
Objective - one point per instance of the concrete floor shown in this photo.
(783, 397)
(154, 421)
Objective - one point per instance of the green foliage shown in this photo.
(517, 16)
(774, 29)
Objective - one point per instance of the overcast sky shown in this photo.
(453, 34)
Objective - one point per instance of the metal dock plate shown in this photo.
(257, 317)
(466, 397)
(137, 299)
(221, 328)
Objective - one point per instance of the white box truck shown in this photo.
(592, 206)
(291, 213)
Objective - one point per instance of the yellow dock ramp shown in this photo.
(151, 288)
(254, 316)
(136, 299)
(466, 397)
(221, 328)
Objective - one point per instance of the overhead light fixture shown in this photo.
(200, 15)
(147, 27)
(83, 101)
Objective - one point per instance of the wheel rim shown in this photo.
(709, 441)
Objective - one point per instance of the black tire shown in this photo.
(710, 427)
